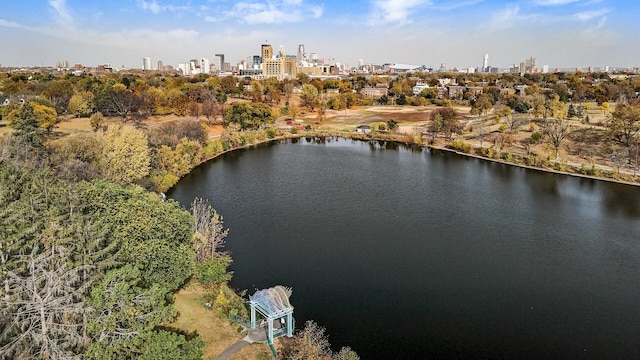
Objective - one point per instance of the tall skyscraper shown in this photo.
(301, 54)
(267, 52)
(205, 67)
(221, 56)
(146, 63)
(255, 64)
(485, 62)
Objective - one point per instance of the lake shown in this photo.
(404, 253)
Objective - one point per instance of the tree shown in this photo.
(555, 108)
(309, 96)
(209, 232)
(81, 104)
(624, 124)
(249, 116)
(402, 99)
(309, 344)
(557, 131)
(345, 353)
(28, 130)
(125, 155)
(213, 271)
(257, 91)
(59, 92)
(482, 131)
(437, 124)
(212, 109)
(392, 124)
(481, 105)
(445, 120)
(118, 100)
(293, 111)
(45, 307)
(513, 122)
(124, 310)
(76, 156)
(97, 121)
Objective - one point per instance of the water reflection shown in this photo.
(622, 200)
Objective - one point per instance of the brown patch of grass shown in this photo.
(212, 324)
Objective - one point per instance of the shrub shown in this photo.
(507, 156)
(213, 271)
(536, 137)
(592, 171)
(460, 146)
(213, 148)
(163, 181)
(271, 133)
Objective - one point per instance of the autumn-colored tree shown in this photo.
(309, 96)
(624, 125)
(125, 155)
(445, 120)
(481, 105)
(81, 104)
(59, 92)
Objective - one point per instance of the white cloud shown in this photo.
(11, 24)
(155, 8)
(317, 11)
(394, 11)
(272, 12)
(589, 15)
(152, 6)
(456, 5)
(555, 2)
(505, 18)
(62, 15)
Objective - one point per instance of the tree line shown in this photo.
(89, 262)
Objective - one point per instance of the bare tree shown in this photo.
(526, 145)
(209, 232)
(557, 131)
(513, 122)
(43, 307)
(482, 131)
(310, 344)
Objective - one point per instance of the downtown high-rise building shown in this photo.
(146, 63)
(485, 63)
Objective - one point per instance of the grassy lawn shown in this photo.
(214, 326)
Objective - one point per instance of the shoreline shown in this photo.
(369, 137)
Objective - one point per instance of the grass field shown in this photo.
(214, 326)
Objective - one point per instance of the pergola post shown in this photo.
(253, 316)
(290, 324)
(270, 333)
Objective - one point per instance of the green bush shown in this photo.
(507, 156)
(213, 271)
(271, 133)
(592, 171)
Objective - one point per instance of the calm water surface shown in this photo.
(406, 254)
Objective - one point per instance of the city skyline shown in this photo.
(560, 33)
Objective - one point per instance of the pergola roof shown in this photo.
(272, 302)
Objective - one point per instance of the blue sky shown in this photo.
(560, 33)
